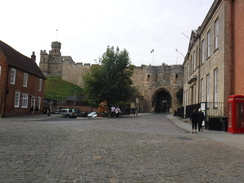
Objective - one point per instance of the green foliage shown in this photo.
(56, 88)
(111, 80)
(179, 96)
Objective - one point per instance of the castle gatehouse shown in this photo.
(157, 85)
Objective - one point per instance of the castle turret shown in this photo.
(44, 63)
(52, 63)
(56, 47)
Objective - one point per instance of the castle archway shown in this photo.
(161, 101)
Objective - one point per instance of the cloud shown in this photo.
(86, 28)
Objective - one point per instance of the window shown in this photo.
(193, 94)
(33, 101)
(188, 70)
(208, 42)
(216, 87)
(12, 76)
(185, 76)
(24, 100)
(25, 80)
(39, 102)
(190, 66)
(203, 51)
(186, 73)
(202, 90)
(216, 34)
(16, 99)
(208, 89)
(148, 77)
(187, 102)
(194, 60)
(40, 85)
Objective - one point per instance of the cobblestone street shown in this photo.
(142, 149)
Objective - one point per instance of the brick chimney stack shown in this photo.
(33, 56)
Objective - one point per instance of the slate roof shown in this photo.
(20, 61)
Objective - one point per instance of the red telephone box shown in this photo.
(236, 114)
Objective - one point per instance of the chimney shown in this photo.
(33, 56)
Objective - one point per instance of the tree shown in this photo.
(111, 80)
(179, 96)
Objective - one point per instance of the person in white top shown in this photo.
(112, 111)
(117, 111)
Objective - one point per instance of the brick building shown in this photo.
(21, 83)
(213, 66)
(237, 53)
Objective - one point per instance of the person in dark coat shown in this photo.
(194, 121)
(49, 110)
(200, 118)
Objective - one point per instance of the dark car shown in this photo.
(82, 114)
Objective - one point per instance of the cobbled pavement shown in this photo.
(142, 149)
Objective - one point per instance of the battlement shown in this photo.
(43, 52)
(160, 69)
(56, 44)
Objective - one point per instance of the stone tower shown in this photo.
(52, 64)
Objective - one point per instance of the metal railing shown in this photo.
(215, 118)
(190, 108)
(212, 109)
(179, 112)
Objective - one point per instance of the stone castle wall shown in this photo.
(73, 72)
(149, 80)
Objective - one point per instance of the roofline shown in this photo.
(204, 24)
(27, 71)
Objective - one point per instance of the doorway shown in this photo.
(162, 101)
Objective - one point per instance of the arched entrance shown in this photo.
(162, 101)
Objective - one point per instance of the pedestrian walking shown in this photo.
(200, 118)
(194, 121)
(49, 110)
(112, 111)
(117, 111)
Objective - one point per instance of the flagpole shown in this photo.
(176, 56)
(177, 51)
(153, 58)
(57, 35)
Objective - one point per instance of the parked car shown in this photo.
(82, 114)
(70, 113)
(59, 111)
(92, 115)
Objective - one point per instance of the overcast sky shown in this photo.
(87, 27)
